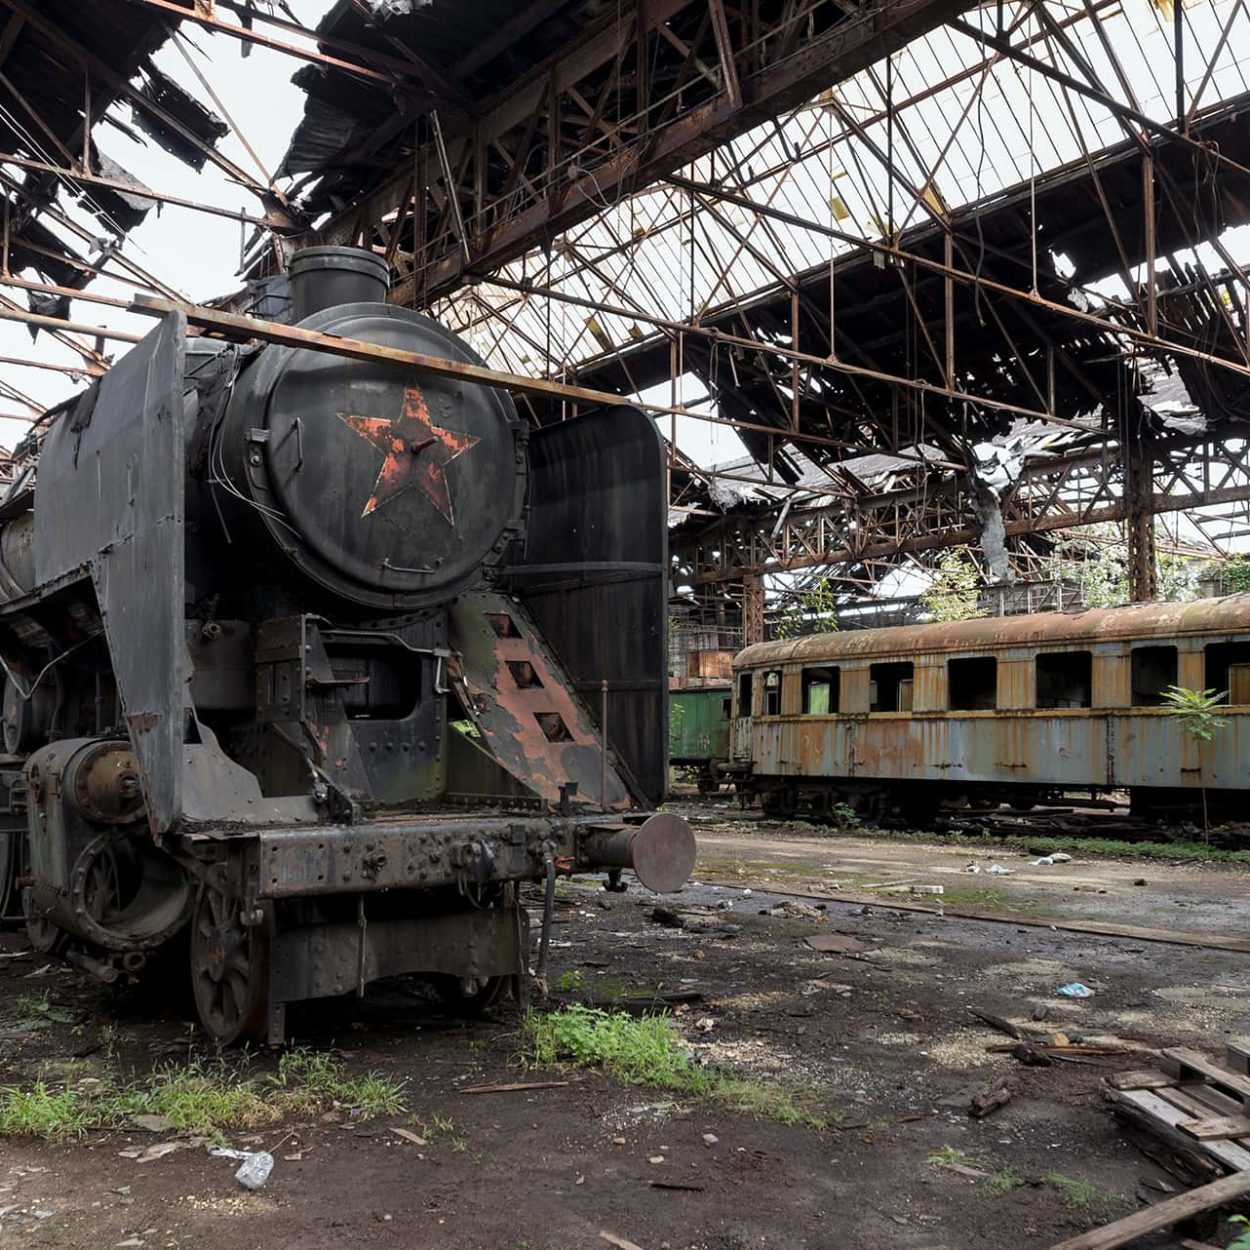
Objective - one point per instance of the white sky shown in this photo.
(196, 253)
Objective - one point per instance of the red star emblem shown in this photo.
(416, 450)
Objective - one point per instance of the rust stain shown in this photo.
(416, 453)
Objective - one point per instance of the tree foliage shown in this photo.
(955, 592)
(812, 611)
(1095, 559)
(1197, 708)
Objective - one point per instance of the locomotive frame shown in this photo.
(900, 721)
(301, 657)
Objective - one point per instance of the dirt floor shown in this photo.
(880, 1038)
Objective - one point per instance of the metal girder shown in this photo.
(530, 165)
(932, 511)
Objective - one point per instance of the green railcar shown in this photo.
(698, 732)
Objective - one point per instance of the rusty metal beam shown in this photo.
(68, 327)
(115, 184)
(860, 37)
(204, 18)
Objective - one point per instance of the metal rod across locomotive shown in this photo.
(301, 657)
(1016, 709)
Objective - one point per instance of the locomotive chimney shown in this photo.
(325, 277)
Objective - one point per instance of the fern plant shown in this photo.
(1201, 721)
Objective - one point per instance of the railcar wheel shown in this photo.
(229, 967)
(779, 804)
(469, 996)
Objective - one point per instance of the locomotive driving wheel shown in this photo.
(230, 966)
(469, 996)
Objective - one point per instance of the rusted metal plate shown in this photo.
(109, 500)
(524, 705)
(595, 576)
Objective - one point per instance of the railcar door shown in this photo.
(743, 693)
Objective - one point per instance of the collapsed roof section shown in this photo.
(66, 67)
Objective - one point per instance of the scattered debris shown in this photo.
(705, 1024)
(692, 1189)
(508, 1087)
(987, 1100)
(1074, 989)
(1030, 1055)
(409, 1136)
(619, 1242)
(253, 1171)
(1162, 1215)
(710, 1139)
(160, 1149)
(833, 942)
(152, 1123)
(791, 909)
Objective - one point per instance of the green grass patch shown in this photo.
(649, 1051)
(1076, 1195)
(1002, 1182)
(204, 1097)
(944, 1156)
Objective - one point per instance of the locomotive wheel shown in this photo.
(468, 996)
(45, 937)
(229, 967)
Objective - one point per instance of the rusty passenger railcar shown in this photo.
(1015, 709)
(308, 658)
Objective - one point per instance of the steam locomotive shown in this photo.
(311, 662)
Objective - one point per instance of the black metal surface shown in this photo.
(385, 487)
(109, 502)
(595, 575)
(261, 581)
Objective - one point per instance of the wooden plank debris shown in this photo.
(1164, 1117)
(1143, 1078)
(619, 1242)
(1237, 1055)
(512, 1087)
(1162, 1215)
(1189, 1065)
(1220, 1127)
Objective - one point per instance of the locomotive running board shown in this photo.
(524, 705)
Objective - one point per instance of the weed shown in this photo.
(1002, 1182)
(648, 1051)
(1242, 1240)
(37, 1011)
(309, 1079)
(1076, 1195)
(569, 982)
(944, 1156)
(202, 1096)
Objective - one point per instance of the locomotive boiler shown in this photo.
(312, 661)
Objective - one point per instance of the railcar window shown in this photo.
(1153, 671)
(726, 709)
(745, 686)
(1065, 679)
(1225, 672)
(890, 686)
(822, 691)
(772, 693)
(972, 684)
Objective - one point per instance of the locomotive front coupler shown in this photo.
(431, 852)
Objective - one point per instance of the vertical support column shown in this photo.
(1138, 444)
(752, 609)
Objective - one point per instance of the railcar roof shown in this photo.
(1161, 620)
